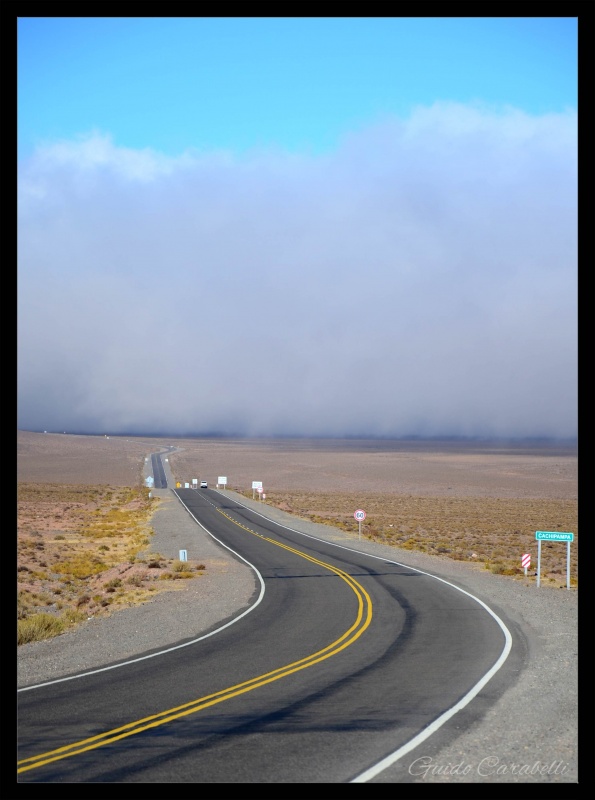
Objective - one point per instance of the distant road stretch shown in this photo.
(158, 472)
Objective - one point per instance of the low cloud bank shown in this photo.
(421, 280)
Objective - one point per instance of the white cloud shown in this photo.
(420, 280)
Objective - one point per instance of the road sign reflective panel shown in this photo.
(360, 514)
(554, 536)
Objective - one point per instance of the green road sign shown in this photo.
(554, 536)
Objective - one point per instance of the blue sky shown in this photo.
(297, 84)
(304, 226)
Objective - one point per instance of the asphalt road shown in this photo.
(158, 470)
(342, 659)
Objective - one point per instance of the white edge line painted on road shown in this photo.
(439, 722)
(413, 743)
(178, 646)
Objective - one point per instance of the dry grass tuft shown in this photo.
(66, 570)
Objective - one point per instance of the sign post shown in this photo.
(360, 514)
(553, 536)
(256, 485)
(525, 561)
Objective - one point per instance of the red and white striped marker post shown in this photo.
(525, 561)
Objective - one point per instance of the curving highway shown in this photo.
(342, 663)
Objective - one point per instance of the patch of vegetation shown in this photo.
(38, 627)
(76, 558)
(81, 566)
(494, 532)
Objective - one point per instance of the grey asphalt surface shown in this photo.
(527, 734)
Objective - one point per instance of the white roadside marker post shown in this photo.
(360, 515)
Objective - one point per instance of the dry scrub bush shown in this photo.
(75, 560)
(76, 557)
(492, 531)
(37, 627)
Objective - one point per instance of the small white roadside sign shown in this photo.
(360, 515)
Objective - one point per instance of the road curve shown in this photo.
(345, 662)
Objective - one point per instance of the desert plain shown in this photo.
(84, 509)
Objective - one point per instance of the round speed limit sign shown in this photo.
(360, 514)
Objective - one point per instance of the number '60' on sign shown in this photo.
(360, 514)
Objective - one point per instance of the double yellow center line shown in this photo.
(362, 621)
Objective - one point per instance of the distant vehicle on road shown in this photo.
(203, 485)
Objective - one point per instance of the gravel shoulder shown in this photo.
(528, 735)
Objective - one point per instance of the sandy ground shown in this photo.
(421, 468)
